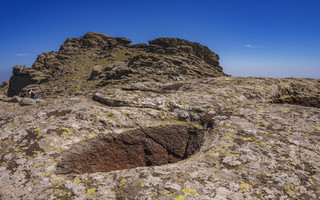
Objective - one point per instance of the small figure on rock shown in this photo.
(32, 94)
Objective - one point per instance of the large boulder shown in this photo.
(114, 102)
(96, 71)
(117, 69)
(27, 102)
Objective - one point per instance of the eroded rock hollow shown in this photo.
(138, 148)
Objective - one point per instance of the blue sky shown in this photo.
(271, 38)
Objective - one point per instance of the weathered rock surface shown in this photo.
(252, 147)
(175, 138)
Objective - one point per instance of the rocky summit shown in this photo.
(97, 60)
(113, 120)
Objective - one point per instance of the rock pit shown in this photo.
(151, 146)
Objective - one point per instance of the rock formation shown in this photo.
(96, 60)
(159, 121)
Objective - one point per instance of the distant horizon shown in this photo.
(267, 38)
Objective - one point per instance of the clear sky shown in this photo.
(271, 38)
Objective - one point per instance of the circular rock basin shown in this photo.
(151, 146)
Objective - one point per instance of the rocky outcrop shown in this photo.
(176, 45)
(106, 60)
(93, 40)
(4, 84)
(18, 80)
(309, 101)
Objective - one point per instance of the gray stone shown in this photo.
(27, 102)
(96, 71)
(14, 99)
(109, 101)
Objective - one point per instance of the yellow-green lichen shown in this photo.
(245, 186)
(198, 126)
(247, 139)
(69, 131)
(230, 153)
(188, 191)
(76, 180)
(180, 197)
(263, 143)
(229, 127)
(90, 191)
(45, 173)
(123, 181)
